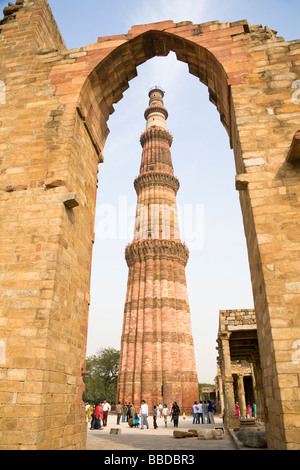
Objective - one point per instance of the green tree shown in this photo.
(200, 390)
(101, 375)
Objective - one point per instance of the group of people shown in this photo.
(250, 410)
(128, 413)
(159, 411)
(203, 412)
(97, 414)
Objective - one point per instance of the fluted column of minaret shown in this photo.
(157, 353)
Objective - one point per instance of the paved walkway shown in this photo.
(155, 439)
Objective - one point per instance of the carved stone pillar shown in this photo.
(258, 388)
(229, 412)
(241, 394)
(221, 395)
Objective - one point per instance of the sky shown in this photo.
(217, 272)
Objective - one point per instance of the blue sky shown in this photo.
(217, 272)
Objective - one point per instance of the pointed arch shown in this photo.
(251, 76)
(108, 81)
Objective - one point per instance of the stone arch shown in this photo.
(49, 178)
(110, 78)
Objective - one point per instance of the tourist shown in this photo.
(237, 409)
(98, 415)
(155, 412)
(144, 414)
(93, 417)
(133, 421)
(90, 413)
(200, 413)
(119, 412)
(124, 413)
(128, 413)
(160, 409)
(254, 410)
(175, 414)
(249, 411)
(205, 413)
(165, 413)
(211, 413)
(132, 411)
(195, 413)
(106, 409)
(130, 422)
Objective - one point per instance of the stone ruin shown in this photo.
(238, 367)
(54, 108)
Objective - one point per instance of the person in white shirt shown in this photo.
(195, 413)
(165, 413)
(144, 414)
(200, 413)
(106, 408)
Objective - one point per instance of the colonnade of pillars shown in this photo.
(230, 385)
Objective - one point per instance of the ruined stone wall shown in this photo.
(270, 206)
(46, 159)
(240, 318)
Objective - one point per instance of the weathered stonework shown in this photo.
(237, 341)
(53, 127)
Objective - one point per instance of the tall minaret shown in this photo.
(157, 362)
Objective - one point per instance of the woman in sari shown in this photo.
(98, 415)
(175, 414)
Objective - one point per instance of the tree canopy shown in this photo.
(101, 376)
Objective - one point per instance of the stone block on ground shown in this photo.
(115, 431)
(206, 434)
(247, 421)
(215, 433)
(183, 434)
(219, 433)
(253, 438)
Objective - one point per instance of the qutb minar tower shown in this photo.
(157, 362)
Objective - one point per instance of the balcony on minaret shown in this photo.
(156, 114)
